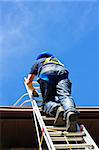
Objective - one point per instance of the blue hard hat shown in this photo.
(44, 55)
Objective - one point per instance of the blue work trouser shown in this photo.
(56, 91)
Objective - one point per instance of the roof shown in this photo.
(17, 124)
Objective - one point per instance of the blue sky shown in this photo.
(68, 29)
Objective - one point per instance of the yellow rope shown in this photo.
(68, 143)
(42, 137)
(54, 130)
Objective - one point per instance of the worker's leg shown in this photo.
(48, 90)
(63, 90)
(66, 100)
(50, 108)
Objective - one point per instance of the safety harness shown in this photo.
(52, 60)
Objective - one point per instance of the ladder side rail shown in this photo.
(40, 120)
(37, 130)
(89, 139)
(42, 126)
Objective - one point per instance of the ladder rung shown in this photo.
(35, 82)
(39, 100)
(56, 128)
(37, 88)
(48, 118)
(59, 133)
(68, 138)
(64, 146)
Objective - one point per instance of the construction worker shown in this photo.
(55, 88)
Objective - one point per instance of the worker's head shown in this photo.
(44, 55)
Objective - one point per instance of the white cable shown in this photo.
(26, 94)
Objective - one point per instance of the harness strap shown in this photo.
(52, 60)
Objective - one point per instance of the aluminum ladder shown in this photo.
(56, 138)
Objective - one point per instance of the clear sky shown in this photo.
(67, 28)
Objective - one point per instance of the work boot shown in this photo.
(59, 117)
(71, 122)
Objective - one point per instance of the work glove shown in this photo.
(31, 88)
(35, 93)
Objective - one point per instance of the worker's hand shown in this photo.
(31, 88)
(35, 93)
